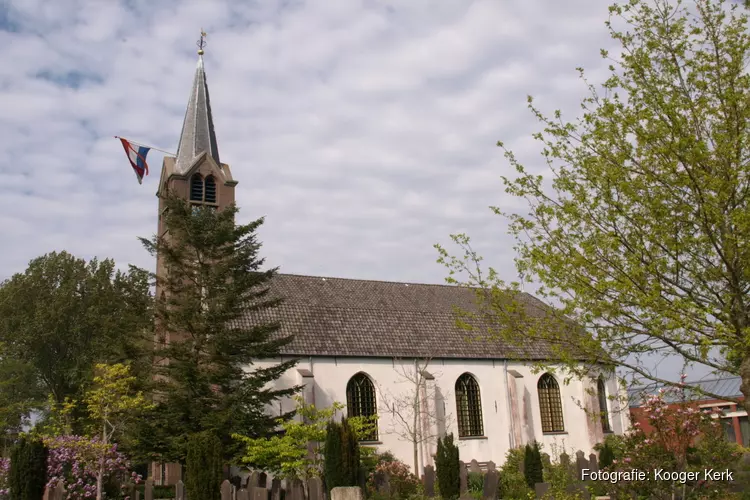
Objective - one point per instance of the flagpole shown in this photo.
(145, 146)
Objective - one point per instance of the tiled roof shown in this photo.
(726, 387)
(348, 317)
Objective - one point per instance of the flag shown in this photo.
(137, 157)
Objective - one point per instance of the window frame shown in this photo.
(359, 387)
(469, 416)
(550, 405)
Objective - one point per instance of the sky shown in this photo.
(363, 131)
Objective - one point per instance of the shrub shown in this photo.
(28, 469)
(204, 467)
(512, 484)
(533, 470)
(447, 468)
(4, 472)
(403, 484)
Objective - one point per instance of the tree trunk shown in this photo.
(745, 384)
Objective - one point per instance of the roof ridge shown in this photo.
(285, 301)
(443, 285)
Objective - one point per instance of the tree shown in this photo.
(112, 404)
(63, 315)
(294, 452)
(341, 452)
(644, 237)
(533, 469)
(204, 466)
(218, 317)
(417, 418)
(20, 393)
(448, 468)
(28, 469)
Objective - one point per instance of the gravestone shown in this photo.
(58, 492)
(276, 489)
(253, 480)
(315, 489)
(581, 464)
(474, 467)
(382, 483)
(491, 480)
(243, 494)
(258, 493)
(347, 493)
(137, 495)
(429, 481)
(297, 490)
(226, 490)
(541, 489)
(463, 474)
(148, 490)
(593, 463)
(179, 490)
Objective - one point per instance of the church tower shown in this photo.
(196, 174)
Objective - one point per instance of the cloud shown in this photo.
(364, 131)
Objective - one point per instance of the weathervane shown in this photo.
(201, 43)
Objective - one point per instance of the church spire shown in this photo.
(198, 135)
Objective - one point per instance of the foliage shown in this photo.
(403, 483)
(20, 393)
(214, 306)
(606, 455)
(447, 468)
(342, 458)
(76, 461)
(683, 439)
(532, 465)
(644, 237)
(28, 469)
(475, 482)
(204, 467)
(512, 484)
(63, 315)
(561, 477)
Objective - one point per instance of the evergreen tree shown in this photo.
(342, 456)
(533, 470)
(333, 463)
(216, 311)
(350, 454)
(606, 456)
(448, 468)
(205, 467)
(28, 469)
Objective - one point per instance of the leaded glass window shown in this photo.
(361, 401)
(550, 404)
(601, 393)
(469, 407)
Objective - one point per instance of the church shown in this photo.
(394, 349)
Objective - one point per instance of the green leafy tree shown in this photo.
(28, 469)
(20, 393)
(643, 236)
(448, 468)
(112, 404)
(63, 315)
(218, 317)
(533, 470)
(205, 466)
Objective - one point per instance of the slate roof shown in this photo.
(727, 387)
(349, 317)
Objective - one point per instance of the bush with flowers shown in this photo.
(683, 439)
(403, 484)
(75, 460)
(4, 473)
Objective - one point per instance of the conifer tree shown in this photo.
(350, 454)
(217, 314)
(532, 465)
(333, 464)
(204, 467)
(447, 468)
(28, 469)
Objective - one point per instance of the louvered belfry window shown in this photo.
(196, 188)
(210, 190)
(361, 401)
(601, 392)
(550, 404)
(469, 407)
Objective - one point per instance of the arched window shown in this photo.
(550, 404)
(361, 401)
(469, 407)
(196, 188)
(601, 393)
(210, 190)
